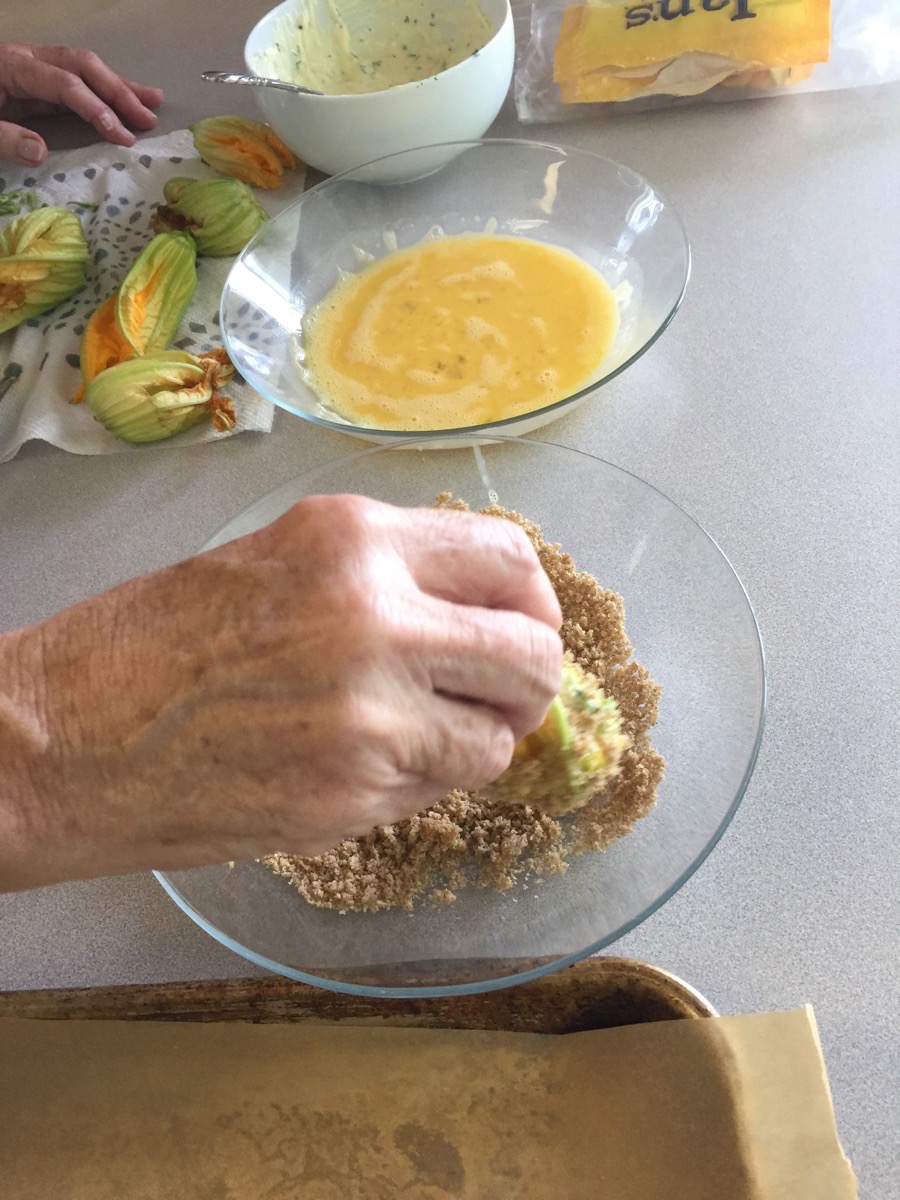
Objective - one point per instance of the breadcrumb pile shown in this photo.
(464, 841)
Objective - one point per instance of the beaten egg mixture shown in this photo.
(459, 331)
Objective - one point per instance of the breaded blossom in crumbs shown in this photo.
(572, 756)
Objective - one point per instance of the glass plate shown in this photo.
(692, 627)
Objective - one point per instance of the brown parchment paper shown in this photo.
(735, 1108)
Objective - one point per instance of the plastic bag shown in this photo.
(575, 58)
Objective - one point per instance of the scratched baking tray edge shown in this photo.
(597, 993)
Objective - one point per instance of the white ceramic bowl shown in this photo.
(338, 133)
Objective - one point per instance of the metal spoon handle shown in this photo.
(256, 81)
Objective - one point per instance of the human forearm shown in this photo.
(25, 811)
(70, 692)
(341, 669)
(102, 728)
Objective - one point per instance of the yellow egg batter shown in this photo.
(459, 331)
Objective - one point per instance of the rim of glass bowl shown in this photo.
(567, 960)
(397, 434)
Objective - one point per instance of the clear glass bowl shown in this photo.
(692, 627)
(605, 213)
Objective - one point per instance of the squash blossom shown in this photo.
(571, 757)
(145, 310)
(42, 257)
(159, 395)
(248, 150)
(221, 215)
(153, 296)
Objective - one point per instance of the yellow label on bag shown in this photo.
(769, 33)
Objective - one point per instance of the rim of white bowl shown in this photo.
(317, 98)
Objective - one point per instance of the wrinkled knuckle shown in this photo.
(69, 89)
(548, 653)
(351, 510)
(350, 520)
(513, 544)
(542, 656)
(302, 517)
(326, 524)
(483, 757)
(85, 57)
(494, 758)
(445, 749)
(462, 747)
(327, 509)
(543, 664)
(371, 626)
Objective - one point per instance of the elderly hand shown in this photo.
(36, 80)
(342, 668)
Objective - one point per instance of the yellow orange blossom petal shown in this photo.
(102, 345)
(144, 311)
(155, 293)
(248, 150)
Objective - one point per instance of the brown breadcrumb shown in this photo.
(466, 841)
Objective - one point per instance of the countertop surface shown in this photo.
(768, 411)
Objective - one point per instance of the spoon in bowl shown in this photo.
(257, 81)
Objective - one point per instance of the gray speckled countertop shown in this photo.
(768, 411)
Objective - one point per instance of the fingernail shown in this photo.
(113, 130)
(30, 150)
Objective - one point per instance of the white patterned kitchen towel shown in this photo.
(114, 192)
